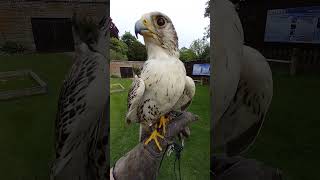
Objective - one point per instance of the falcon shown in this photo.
(81, 128)
(242, 83)
(162, 86)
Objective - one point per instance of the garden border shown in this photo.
(40, 88)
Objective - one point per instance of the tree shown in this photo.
(207, 14)
(136, 50)
(118, 49)
(117, 56)
(187, 54)
(199, 46)
(205, 55)
(207, 10)
(128, 38)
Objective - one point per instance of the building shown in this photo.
(45, 26)
(123, 68)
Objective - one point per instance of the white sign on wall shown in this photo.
(293, 25)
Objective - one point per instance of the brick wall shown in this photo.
(15, 16)
(115, 66)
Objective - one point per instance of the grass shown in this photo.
(195, 162)
(26, 131)
(289, 139)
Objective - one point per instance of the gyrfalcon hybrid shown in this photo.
(162, 85)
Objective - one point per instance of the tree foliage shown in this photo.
(187, 54)
(117, 55)
(207, 15)
(198, 50)
(118, 49)
(207, 9)
(127, 48)
(136, 50)
(199, 46)
(205, 55)
(128, 38)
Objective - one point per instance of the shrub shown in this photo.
(114, 76)
(12, 47)
(117, 55)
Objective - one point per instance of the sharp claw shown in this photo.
(154, 136)
(157, 142)
(163, 122)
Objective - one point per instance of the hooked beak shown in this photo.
(143, 28)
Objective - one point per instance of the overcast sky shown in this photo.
(186, 15)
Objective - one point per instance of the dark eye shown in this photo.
(161, 21)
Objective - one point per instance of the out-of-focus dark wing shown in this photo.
(243, 119)
(80, 128)
(228, 42)
(81, 105)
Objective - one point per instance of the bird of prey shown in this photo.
(81, 130)
(242, 83)
(162, 85)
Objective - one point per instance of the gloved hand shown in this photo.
(142, 162)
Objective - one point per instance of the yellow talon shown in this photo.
(155, 134)
(162, 123)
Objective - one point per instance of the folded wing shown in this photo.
(134, 97)
(188, 93)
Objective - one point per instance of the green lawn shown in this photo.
(195, 163)
(290, 136)
(26, 130)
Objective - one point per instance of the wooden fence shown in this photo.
(40, 88)
(295, 60)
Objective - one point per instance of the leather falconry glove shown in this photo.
(143, 161)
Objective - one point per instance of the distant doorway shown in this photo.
(126, 72)
(52, 34)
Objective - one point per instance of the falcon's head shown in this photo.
(159, 34)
